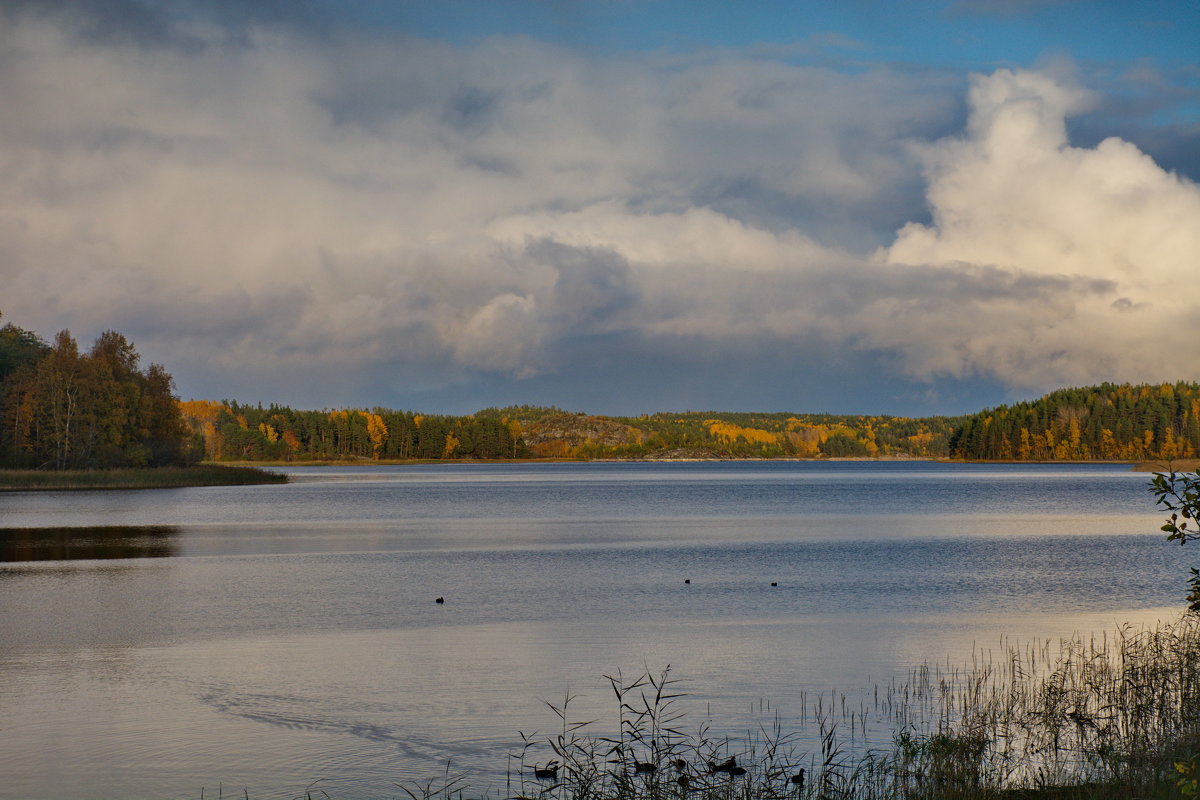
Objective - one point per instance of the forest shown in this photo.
(231, 431)
(66, 409)
(1117, 422)
(62, 408)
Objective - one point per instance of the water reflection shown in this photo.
(267, 636)
(87, 543)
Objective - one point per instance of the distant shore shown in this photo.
(393, 462)
(243, 473)
(28, 480)
(1187, 465)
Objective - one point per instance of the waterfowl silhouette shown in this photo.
(644, 768)
(440, 600)
(798, 779)
(546, 773)
(728, 765)
(774, 583)
(679, 764)
(687, 580)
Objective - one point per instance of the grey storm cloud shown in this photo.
(265, 199)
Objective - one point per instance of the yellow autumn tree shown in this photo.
(869, 440)
(268, 432)
(377, 431)
(918, 443)
(729, 433)
(202, 416)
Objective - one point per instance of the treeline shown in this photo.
(230, 431)
(1119, 422)
(802, 435)
(734, 435)
(65, 409)
(61, 408)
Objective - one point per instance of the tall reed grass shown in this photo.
(1113, 717)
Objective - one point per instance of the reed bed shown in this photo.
(1113, 717)
(24, 480)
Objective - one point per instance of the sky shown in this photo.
(618, 206)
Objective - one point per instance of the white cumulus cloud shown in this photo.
(259, 208)
(1120, 234)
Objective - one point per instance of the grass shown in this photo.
(1110, 719)
(21, 480)
(1099, 719)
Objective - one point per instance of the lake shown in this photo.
(157, 643)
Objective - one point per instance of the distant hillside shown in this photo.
(1109, 422)
(719, 434)
(229, 431)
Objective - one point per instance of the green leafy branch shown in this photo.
(1179, 493)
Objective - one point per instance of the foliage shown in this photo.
(712, 434)
(1179, 493)
(1118, 422)
(788, 435)
(231, 431)
(1107, 422)
(18, 347)
(63, 409)
(1189, 777)
(1111, 718)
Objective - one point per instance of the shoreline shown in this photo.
(392, 462)
(245, 473)
(32, 480)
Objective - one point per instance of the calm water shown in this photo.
(156, 642)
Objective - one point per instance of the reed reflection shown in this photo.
(88, 543)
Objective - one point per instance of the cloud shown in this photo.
(257, 205)
(1015, 196)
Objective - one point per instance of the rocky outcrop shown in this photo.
(686, 454)
(575, 429)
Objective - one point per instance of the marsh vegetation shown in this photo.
(306, 615)
(1099, 718)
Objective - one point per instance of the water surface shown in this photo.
(156, 642)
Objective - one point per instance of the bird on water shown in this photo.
(728, 765)
(440, 600)
(546, 773)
